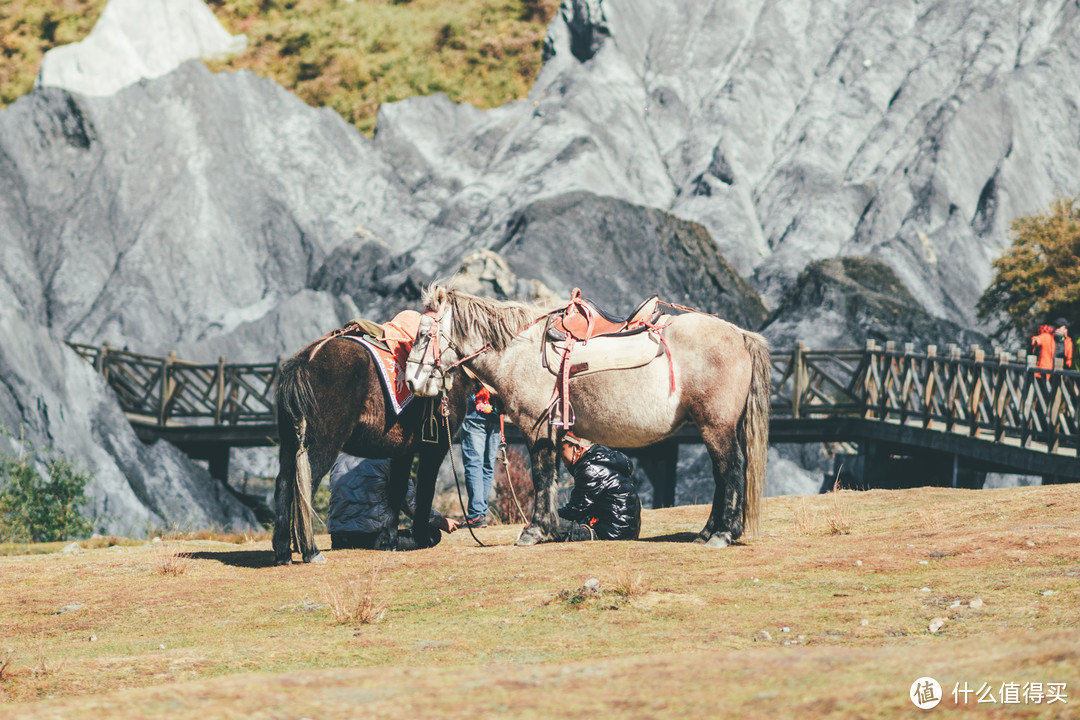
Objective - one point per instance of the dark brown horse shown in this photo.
(335, 402)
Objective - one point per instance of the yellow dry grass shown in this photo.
(797, 622)
(349, 56)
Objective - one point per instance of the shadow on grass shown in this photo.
(681, 537)
(239, 558)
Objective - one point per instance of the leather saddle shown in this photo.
(584, 339)
(597, 341)
(358, 328)
(584, 320)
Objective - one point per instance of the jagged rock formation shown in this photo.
(847, 301)
(56, 401)
(136, 39)
(675, 145)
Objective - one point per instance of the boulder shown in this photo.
(619, 253)
(841, 303)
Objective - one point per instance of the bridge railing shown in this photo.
(990, 397)
(164, 390)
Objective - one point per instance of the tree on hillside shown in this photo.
(1038, 278)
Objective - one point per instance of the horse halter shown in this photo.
(432, 356)
(440, 328)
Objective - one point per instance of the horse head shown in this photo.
(433, 355)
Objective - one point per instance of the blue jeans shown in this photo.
(479, 448)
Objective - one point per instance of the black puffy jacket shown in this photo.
(604, 495)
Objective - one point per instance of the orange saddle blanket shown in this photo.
(398, 335)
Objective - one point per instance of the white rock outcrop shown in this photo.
(136, 39)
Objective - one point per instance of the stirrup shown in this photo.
(560, 423)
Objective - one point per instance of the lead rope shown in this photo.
(457, 480)
(506, 466)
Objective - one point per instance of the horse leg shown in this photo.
(725, 523)
(545, 522)
(426, 474)
(283, 499)
(396, 490)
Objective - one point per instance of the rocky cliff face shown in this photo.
(709, 152)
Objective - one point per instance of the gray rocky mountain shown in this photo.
(803, 151)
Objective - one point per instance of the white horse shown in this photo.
(720, 383)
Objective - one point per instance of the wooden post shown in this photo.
(219, 400)
(99, 362)
(218, 461)
(165, 389)
(908, 365)
(1001, 394)
(798, 381)
(954, 386)
(975, 401)
(870, 385)
(928, 387)
(1027, 401)
(1054, 405)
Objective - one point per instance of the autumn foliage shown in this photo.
(1038, 278)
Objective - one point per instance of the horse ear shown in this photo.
(437, 297)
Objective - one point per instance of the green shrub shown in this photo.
(34, 508)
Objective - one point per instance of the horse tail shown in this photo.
(296, 403)
(754, 427)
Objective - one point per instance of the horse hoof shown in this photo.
(527, 538)
(316, 558)
(283, 561)
(719, 540)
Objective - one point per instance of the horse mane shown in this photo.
(480, 320)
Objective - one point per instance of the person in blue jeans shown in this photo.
(479, 446)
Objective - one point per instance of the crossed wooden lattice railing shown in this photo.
(164, 390)
(994, 398)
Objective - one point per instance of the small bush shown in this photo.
(628, 584)
(355, 606)
(34, 508)
(174, 563)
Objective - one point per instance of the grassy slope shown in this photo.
(474, 631)
(350, 56)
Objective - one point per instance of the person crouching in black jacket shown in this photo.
(604, 504)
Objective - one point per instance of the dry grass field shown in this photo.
(827, 613)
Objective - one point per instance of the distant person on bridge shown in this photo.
(604, 503)
(360, 507)
(1063, 344)
(1052, 342)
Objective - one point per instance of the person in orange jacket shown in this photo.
(1051, 342)
(1042, 347)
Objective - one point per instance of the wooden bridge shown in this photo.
(937, 417)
